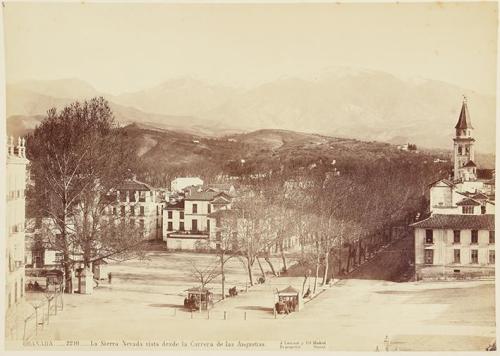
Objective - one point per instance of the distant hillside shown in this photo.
(363, 104)
(166, 154)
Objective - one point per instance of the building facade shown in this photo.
(141, 204)
(457, 239)
(187, 221)
(15, 235)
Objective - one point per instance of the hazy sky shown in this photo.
(126, 47)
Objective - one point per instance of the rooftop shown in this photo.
(464, 118)
(458, 222)
(133, 184)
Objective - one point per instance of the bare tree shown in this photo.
(76, 156)
(206, 273)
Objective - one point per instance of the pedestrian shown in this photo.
(110, 276)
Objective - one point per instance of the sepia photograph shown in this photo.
(249, 176)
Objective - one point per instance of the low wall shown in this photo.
(424, 272)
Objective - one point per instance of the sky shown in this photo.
(127, 47)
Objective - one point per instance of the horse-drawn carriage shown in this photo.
(198, 298)
(287, 300)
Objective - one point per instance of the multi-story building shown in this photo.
(457, 239)
(187, 224)
(16, 204)
(140, 203)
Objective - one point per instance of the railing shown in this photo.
(43, 309)
(186, 233)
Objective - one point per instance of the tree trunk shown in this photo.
(359, 252)
(327, 263)
(249, 267)
(68, 276)
(316, 275)
(268, 260)
(223, 277)
(349, 254)
(282, 252)
(340, 256)
(261, 269)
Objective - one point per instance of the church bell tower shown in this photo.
(464, 167)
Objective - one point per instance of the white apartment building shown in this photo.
(15, 209)
(186, 222)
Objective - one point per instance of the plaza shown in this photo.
(144, 302)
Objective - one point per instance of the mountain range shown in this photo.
(362, 104)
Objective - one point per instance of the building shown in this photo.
(15, 236)
(457, 239)
(140, 203)
(187, 224)
(179, 184)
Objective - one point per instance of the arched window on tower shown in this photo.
(460, 150)
(467, 150)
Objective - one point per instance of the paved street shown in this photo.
(352, 315)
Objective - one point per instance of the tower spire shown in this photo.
(464, 118)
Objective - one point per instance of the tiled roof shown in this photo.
(209, 196)
(194, 195)
(132, 184)
(289, 289)
(468, 201)
(458, 222)
(480, 196)
(445, 181)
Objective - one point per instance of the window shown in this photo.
(169, 214)
(194, 225)
(428, 257)
(473, 237)
(114, 211)
(459, 150)
(473, 256)
(456, 236)
(181, 226)
(132, 210)
(195, 208)
(456, 256)
(208, 224)
(132, 222)
(170, 226)
(467, 150)
(141, 223)
(123, 210)
(58, 257)
(492, 237)
(141, 211)
(492, 257)
(209, 208)
(181, 215)
(483, 209)
(467, 209)
(429, 236)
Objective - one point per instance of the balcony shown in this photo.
(188, 234)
